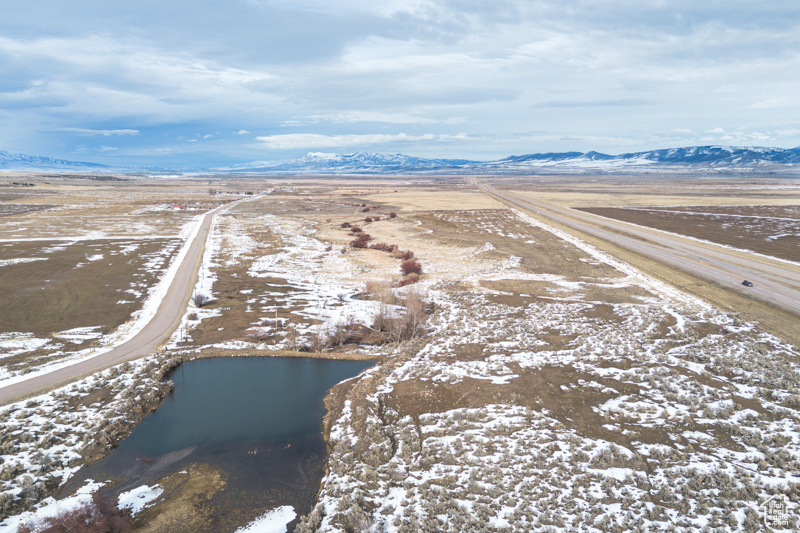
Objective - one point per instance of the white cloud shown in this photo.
(90, 132)
(777, 102)
(354, 116)
(612, 75)
(314, 140)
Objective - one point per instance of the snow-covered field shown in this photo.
(657, 413)
(308, 276)
(44, 438)
(558, 389)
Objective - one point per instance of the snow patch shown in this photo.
(274, 521)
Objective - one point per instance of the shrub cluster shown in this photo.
(383, 247)
(361, 240)
(200, 299)
(409, 279)
(97, 516)
(410, 266)
(400, 254)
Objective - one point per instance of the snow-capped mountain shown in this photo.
(689, 158)
(721, 155)
(361, 162)
(22, 162)
(697, 157)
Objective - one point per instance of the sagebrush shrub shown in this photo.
(410, 266)
(361, 240)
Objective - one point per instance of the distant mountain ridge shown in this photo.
(691, 158)
(365, 162)
(360, 161)
(723, 155)
(22, 162)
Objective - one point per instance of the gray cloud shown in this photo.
(590, 74)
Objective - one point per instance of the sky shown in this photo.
(210, 83)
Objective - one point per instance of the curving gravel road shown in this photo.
(775, 282)
(146, 342)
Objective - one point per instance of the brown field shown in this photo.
(95, 284)
(82, 253)
(70, 287)
(649, 191)
(769, 230)
(409, 200)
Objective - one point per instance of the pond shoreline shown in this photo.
(299, 378)
(224, 352)
(128, 415)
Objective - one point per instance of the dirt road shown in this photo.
(146, 342)
(775, 282)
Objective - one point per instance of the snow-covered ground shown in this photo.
(661, 413)
(42, 439)
(590, 398)
(274, 521)
(136, 500)
(316, 282)
(50, 508)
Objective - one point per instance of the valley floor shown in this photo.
(551, 386)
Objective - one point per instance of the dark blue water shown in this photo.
(227, 400)
(257, 420)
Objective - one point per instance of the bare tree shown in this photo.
(344, 333)
(410, 266)
(382, 319)
(292, 337)
(200, 299)
(413, 322)
(319, 340)
(380, 291)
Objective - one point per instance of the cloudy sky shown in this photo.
(206, 83)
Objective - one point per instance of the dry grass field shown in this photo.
(78, 258)
(654, 190)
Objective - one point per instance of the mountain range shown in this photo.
(21, 162)
(697, 157)
(690, 158)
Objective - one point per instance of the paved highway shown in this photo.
(146, 342)
(774, 282)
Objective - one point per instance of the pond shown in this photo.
(254, 420)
